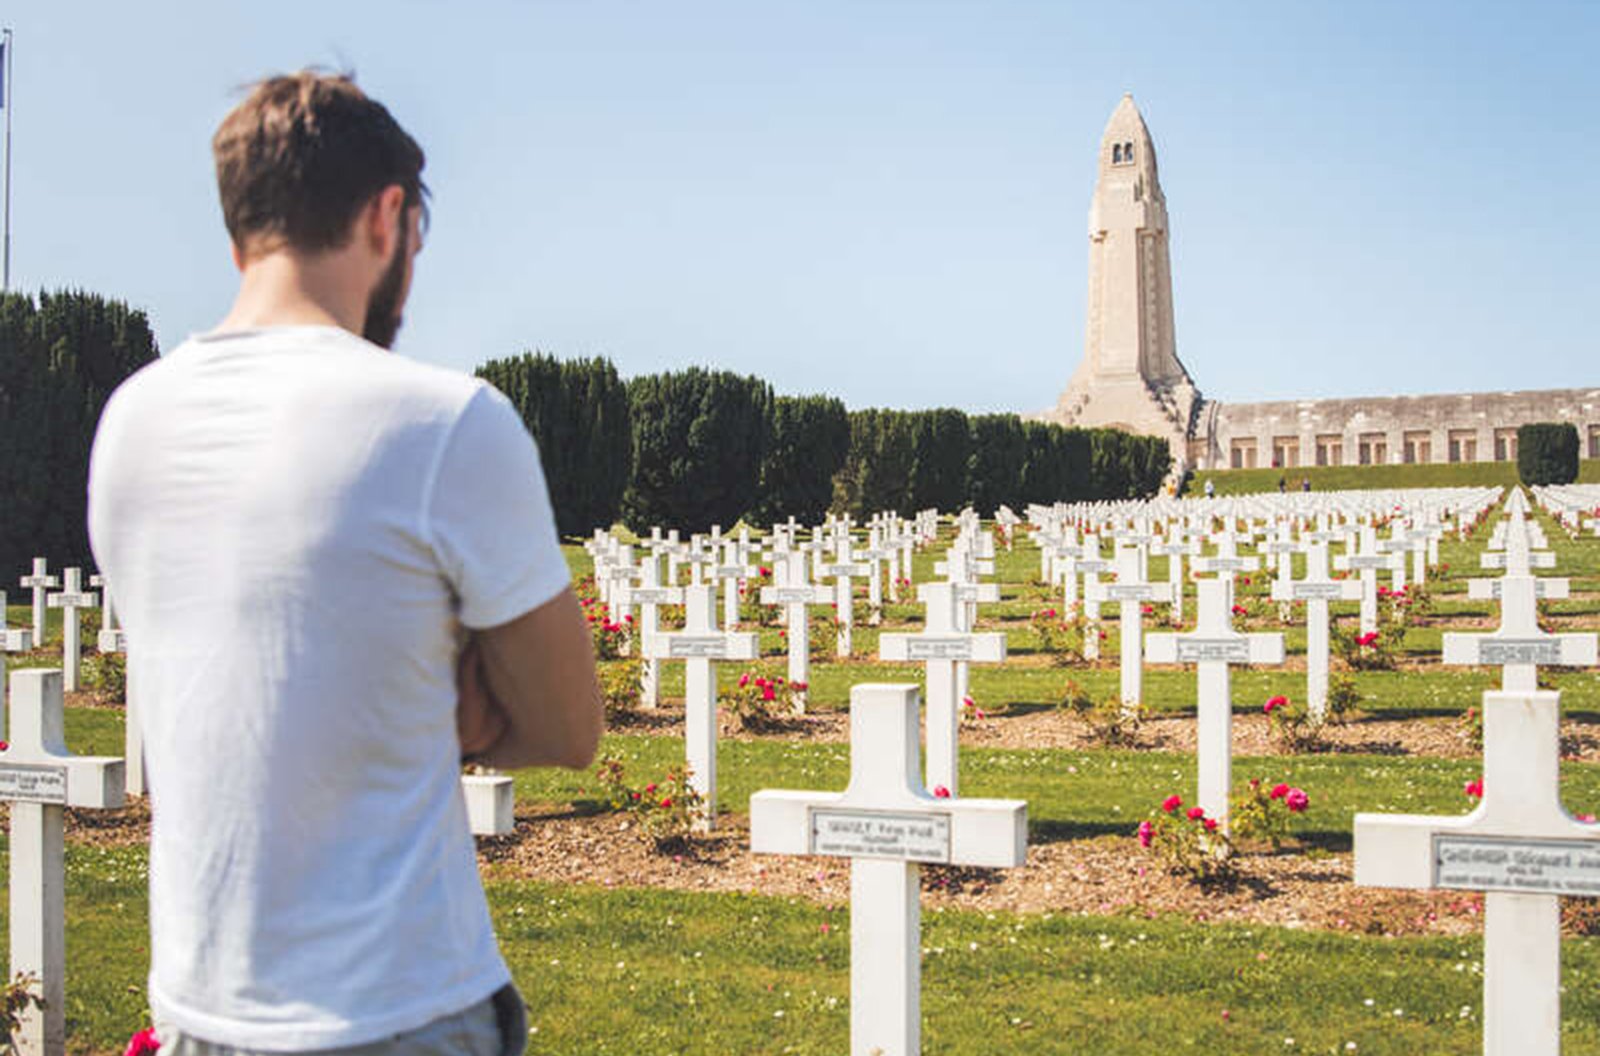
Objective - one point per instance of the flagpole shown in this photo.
(5, 277)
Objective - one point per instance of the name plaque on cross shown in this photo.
(1304, 591)
(33, 784)
(878, 834)
(1493, 651)
(789, 595)
(1120, 592)
(1193, 651)
(1358, 562)
(656, 595)
(1490, 863)
(927, 647)
(680, 646)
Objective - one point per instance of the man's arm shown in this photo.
(538, 672)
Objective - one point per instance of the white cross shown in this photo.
(1316, 590)
(1213, 647)
(648, 595)
(793, 592)
(1519, 646)
(72, 598)
(843, 570)
(942, 647)
(1367, 562)
(700, 645)
(1175, 548)
(1227, 560)
(1521, 848)
(39, 778)
(1090, 566)
(113, 639)
(886, 823)
(1129, 593)
(40, 582)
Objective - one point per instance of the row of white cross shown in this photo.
(1520, 845)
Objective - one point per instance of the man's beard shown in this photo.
(383, 308)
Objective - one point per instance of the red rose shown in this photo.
(1196, 813)
(1171, 803)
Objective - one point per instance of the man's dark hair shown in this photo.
(302, 154)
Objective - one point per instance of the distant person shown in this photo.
(1305, 483)
(1283, 483)
(339, 575)
(1211, 488)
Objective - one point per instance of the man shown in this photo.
(339, 576)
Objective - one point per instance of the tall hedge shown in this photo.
(1547, 453)
(577, 410)
(809, 439)
(699, 438)
(61, 355)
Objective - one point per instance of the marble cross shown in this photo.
(887, 824)
(794, 592)
(1090, 565)
(113, 639)
(1214, 647)
(72, 598)
(942, 647)
(1519, 646)
(39, 778)
(1129, 593)
(844, 570)
(701, 645)
(1316, 590)
(649, 595)
(1368, 561)
(40, 582)
(1521, 848)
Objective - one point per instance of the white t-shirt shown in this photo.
(294, 524)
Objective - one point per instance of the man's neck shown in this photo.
(284, 289)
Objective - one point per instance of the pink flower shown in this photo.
(798, 687)
(1171, 803)
(940, 792)
(768, 693)
(1211, 824)
(1296, 800)
(1146, 833)
(1586, 817)
(1279, 791)
(1368, 638)
(1274, 704)
(1474, 788)
(1195, 813)
(667, 802)
(143, 1043)
(1245, 580)
(650, 789)
(1240, 610)
(744, 680)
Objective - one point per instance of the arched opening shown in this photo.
(1116, 154)
(1127, 152)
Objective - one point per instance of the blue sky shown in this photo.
(884, 201)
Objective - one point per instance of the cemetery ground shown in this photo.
(1091, 947)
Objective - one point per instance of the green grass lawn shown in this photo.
(647, 971)
(1340, 478)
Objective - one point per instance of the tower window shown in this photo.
(1127, 152)
(1116, 154)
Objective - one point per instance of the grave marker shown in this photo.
(886, 823)
(700, 645)
(39, 778)
(1213, 647)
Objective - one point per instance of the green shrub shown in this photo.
(1547, 453)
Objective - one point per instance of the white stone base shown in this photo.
(491, 800)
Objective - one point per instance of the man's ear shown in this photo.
(380, 221)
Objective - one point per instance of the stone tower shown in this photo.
(1130, 377)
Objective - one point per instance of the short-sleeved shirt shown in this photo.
(295, 526)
